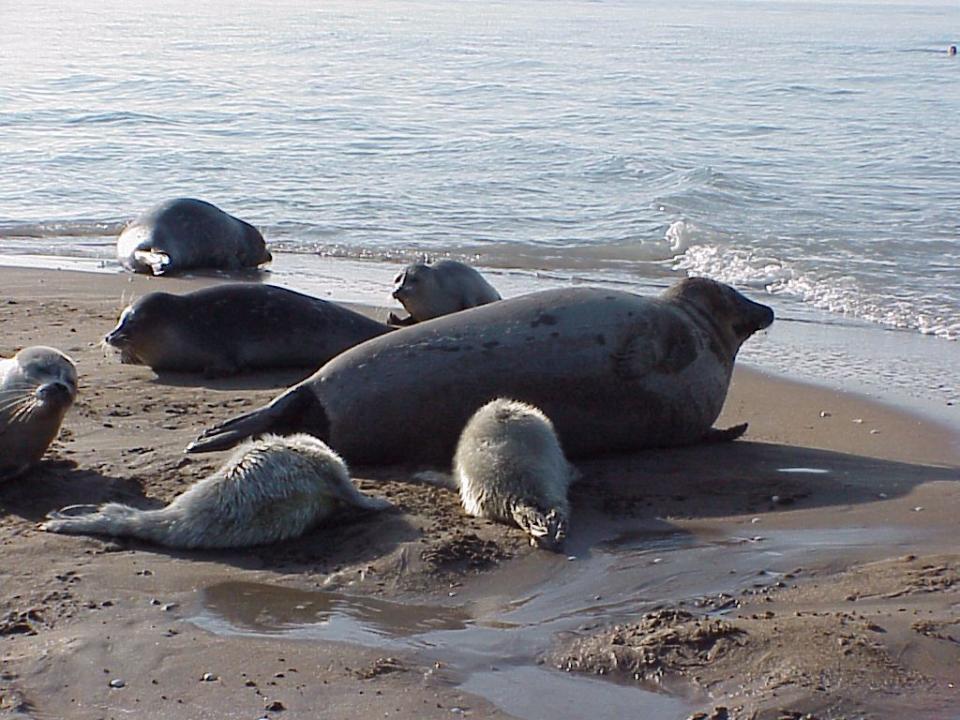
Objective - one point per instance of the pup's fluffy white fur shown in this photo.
(272, 488)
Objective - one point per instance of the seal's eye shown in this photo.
(398, 279)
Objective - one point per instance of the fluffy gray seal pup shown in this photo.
(429, 291)
(236, 327)
(37, 387)
(270, 489)
(185, 233)
(613, 371)
(509, 467)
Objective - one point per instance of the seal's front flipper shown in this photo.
(715, 435)
(157, 261)
(297, 410)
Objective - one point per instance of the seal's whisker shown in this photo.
(17, 388)
(24, 411)
(4, 407)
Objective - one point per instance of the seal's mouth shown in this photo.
(54, 393)
(117, 343)
(755, 317)
(116, 338)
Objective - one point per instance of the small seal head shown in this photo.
(37, 387)
(509, 467)
(429, 291)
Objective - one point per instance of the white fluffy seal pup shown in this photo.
(509, 467)
(429, 291)
(37, 387)
(272, 488)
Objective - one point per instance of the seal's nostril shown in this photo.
(54, 392)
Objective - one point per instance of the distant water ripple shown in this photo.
(761, 143)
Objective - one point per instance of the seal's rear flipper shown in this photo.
(111, 519)
(715, 435)
(437, 479)
(297, 410)
(156, 260)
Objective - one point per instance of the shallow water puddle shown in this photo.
(241, 608)
(493, 644)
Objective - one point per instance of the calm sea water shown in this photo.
(807, 152)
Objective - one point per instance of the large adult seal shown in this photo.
(37, 387)
(271, 489)
(613, 371)
(236, 327)
(182, 234)
(429, 291)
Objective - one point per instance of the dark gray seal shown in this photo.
(237, 327)
(613, 371)
(37, 387)
(271, 489)
(182, 234)
(429, 291)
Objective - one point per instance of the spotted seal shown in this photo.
(270, 489)
(613, 371)
(429, 291)
(186, 233)
(235, 327)
(37, 387)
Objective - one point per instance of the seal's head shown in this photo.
(139, 335)
(416, 289)
(409, 282)
(733, 316)
(44, 384)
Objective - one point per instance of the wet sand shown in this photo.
(810, 567)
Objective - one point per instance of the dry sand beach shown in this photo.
(810, 567)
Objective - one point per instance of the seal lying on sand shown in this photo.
(270, 489)
(230, 328)
(429, 291)
(185, 233)
(509, 467)
(613, 371)
(37, 387)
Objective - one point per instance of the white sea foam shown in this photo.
(838, 294)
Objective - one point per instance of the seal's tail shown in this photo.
(297, 410)
(111, 519)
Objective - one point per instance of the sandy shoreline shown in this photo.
(852, 499)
